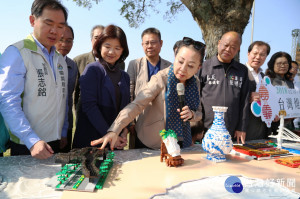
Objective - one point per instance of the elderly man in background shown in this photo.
(224, 82)
(257, 54)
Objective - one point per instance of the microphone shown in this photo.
(180, 91)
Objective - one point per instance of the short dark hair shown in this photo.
(152, 31)
(270, 70)
(96, 27)
(39, 5)
(259, 43)
(191, 44)
(68, 26)
(295, 63)
(113, 32)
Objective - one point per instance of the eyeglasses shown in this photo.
(282, 63)
(153, 43)
(67, 41)
(197, 44)
(256, 54)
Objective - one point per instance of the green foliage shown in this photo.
(164, 134)
(214, 17)
(86, 3)
(136, 11)
(175, 7)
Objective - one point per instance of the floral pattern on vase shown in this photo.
(217, 140)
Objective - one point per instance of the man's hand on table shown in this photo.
(41, 150)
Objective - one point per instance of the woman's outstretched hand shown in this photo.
(110, 137)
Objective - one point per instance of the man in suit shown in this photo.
(257, 54)
(140, 71)
(86, 58)
(64, 46)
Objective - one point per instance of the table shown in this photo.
(136, 173)
(27, 176)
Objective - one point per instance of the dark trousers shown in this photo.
(21, 149)
(67, 148)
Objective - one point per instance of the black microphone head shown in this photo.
(180, 89)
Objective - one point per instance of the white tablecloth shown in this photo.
(213, 188)
(26, 177)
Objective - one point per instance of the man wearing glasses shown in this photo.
(224, 82)
(257, 54)
(64, 46)
(140, 71)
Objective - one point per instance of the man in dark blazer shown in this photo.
(64, 46)
(257, 54)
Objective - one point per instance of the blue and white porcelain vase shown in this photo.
(217, 140)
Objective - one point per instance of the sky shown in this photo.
(274, 21)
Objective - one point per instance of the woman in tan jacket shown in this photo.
(161, 92)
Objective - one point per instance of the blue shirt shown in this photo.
(12, 82)
(152, 70)
(48, 55)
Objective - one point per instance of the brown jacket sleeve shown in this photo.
(145, 96)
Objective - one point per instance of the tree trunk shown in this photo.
(216, 17)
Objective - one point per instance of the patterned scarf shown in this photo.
(192, 100)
